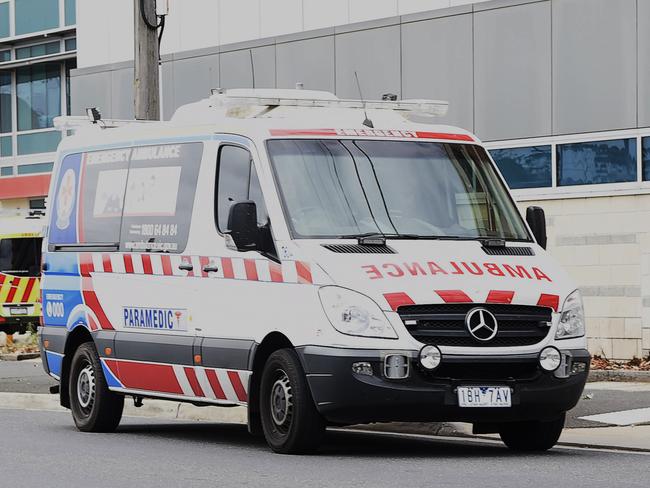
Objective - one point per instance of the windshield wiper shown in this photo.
(377, 238)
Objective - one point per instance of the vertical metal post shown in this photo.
(147, 102)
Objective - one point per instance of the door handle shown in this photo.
(211, 268)
(184, 266)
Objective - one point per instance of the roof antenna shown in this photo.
(367, 122)
(250, 52)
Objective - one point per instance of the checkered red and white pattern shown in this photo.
(169, 265)
(207, 384)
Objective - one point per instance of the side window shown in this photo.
(237, 181)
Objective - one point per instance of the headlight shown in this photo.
(354, 314)
(572, 318)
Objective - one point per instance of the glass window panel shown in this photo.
(525, 167)
(233, 181)
(23, 52)
(5, 146)
(5, 102)
(4, 19)
(28, 169)
(52, 47)
(70, 12)
(40, 142)
(38, 89)
(645, 150)
(27, 21)
(37, 50)
(71, 44)
(5, 56)
(6, 171)
(37, 204)
(587, 163)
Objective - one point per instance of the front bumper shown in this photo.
(344, 397)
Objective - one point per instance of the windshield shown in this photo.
(404, 189)
(20, 256)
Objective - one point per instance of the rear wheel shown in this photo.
(94, 407)
(533, 435)
(290, 421)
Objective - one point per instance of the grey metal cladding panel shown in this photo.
(375, 55)
(594, 65)
(91, 90)
(154, 347)
(122, 94)
(512, 50)
(226, 353)
(57, 337)
(237, 69)
(644, 62)
(437, 64)
(310, 62)
(167, 86)
(194, 78)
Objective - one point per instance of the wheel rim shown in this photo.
(86, 388)
(282, 402)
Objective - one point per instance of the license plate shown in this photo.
(18, 311)
(484, 396)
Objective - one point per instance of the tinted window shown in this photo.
(5, 102)
(38, 89)
(237, 181)
(588, 163)
(159, 197)
(525, 167)
(645, 150)
(20, 256)
(36, 15)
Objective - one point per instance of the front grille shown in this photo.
(444, 324)
(508, 251)
(359, 249)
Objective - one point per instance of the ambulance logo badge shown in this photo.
(66, 199)
(481, 324)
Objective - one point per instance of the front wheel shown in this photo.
(533, 435)
(94, 407)
(290, 421)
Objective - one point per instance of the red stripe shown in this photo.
(2, 278)
(28, 290)
(304, 273)
(91, 322)
(237, 385)
(251, 270)
(12, 290)
(194, 383)
(204, 262)
(551, 301)
(214, 383)
(442, 135)
(228, 271)
(86, 265)
(90, 299)
(396, 300)
(128, 263)
(145, 376)
(106, 261)
(166, 265)
(496, 296)
(146, 264)
(276, 272)
(453, 296)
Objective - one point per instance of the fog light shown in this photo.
(550, 358)
(396, 366)
(362, 368)
(577, 368)
(430, 357)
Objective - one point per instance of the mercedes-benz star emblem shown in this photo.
(481, 324)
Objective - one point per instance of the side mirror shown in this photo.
(242, 222)
(537, 223)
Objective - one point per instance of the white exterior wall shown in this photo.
(105, 28)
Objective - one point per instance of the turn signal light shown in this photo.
(108, 351)
(197, 359)
(46, 343)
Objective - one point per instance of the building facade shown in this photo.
(559, 89)
(37, 51)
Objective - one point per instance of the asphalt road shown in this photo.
(45, 449)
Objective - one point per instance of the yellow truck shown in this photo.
(20, 272)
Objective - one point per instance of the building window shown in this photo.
(5, 56)
(6, 171)
(70, 12)
(525, 167)
(39, 95)
(38, 50)
(28, 169)
(6, 148)
(5, 101)
(71, 44)
(587, 163)
(37, 204)
(4, 19)
(38, 142)
(645, 151)
(26, 19)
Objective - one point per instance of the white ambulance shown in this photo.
(321, 261)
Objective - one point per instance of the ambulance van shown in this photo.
(20, 271)
(323, 262)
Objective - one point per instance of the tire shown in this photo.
(290, 421)
(532, 436)
(94, 407)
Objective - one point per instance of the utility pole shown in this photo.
(147, 103)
